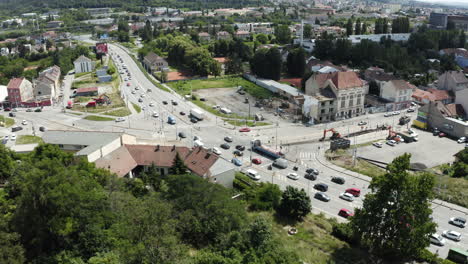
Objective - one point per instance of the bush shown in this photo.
(429, 257)
(343, 231)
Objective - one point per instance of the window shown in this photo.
(343, 102)
(323, 111)
(60, 146)
(323, 103)
(351, 103)
(330, 110)
(358, 99)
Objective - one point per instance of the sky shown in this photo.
(463, 3)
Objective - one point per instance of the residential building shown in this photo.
(129, 160)
(223, 35)
(377, 37)
(459, 21)
(91, 145)
(432, 95)
(398, 92)
(153, 62)
(461, 56)
(204, 36)
(452, 81)
(47, 83)
(461, 98)
(378, 75)
(20, 90)
(83, 64)
(242, 34)
(54, 24)
(450, 118)
(438, 20)
(3, 93)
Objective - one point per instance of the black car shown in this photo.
(202, 99)
(193, 120)
(42, 129)
(240, 147)
(11, 114)
(165, 102)
(339, 180)
(182, 113)
(238, 153)
(321, 187)
(314, 171)
(182, 135)
(435, 132)
(322, 197)
(140, 100)
(174, 103)
(38, 110)
(225, 146)
(310, 176)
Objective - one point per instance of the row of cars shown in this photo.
(440, 240)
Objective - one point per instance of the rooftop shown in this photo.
(15, 83)
(82, 58)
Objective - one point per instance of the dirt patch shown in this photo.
(178, 75)
(228, 98)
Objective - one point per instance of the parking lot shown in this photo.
(429, 150)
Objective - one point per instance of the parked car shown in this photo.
(140, 100)
(193, 120)
(310, 176)
(293, 176)
(410, 110)
(182, 135)
(164, 102)
(7, 109)
(362, 123)
(347, 196)
(13, 137)
(391, 142)
(128, 84)
(245, 129)
(240, 147)
(321, 187)
(452, 235)
(396, 113)
(461, 140)
(11, 114)
(437, 239)
(29, 110)
(442, 134)
(256, 161)
(377, 144)
(388, 114)
(322, 196)
(238, 153)
(339, 180)
(345, 213)
(225, 146)
(228, 139)
(133, 92)
(236, 162)
(42, 129)
(435, 132)
(354, 191)
(313, 171)
(120, 119)
(216, 150)
(182, 113)
(38, 110)
(155, 114)
(458, 221)
(174, 103)
(151, 104)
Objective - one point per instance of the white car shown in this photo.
(142, 95)
(125, 79)
(24, 122)
(437, 239)
(155, 114)
(461, 140)
(216, 151)
(347, 196)
(400, 139)
(377, 144)
(151, 104)
(452, 235)
(13, 137)
(396, 113)
(133, 92)
(391, 142)
(387, 114)
(120, 119)
(293, 176)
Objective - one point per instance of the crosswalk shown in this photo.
(308, 155)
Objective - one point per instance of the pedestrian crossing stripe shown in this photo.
(306, 155)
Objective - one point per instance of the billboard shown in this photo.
(101, 48)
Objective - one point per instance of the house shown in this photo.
(447, 118)
(242, 34)
(47, 83)
(54, 24)
(83, 64)
(223, 35)
(153, 62)
(398, 92)
(452, 81)
(86, 91)
(342, 93)
(432, 95)
(461, 56)
(91, 145)
(316, 65)
(20, 90)
(355, 39)
(204, 36)
(461, 98)
(129, 160)
(378, 75)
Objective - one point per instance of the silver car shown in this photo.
(453, 235)
(347, 197)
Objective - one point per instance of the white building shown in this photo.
(355, 39)
(83, 64)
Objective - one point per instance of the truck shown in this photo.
(196, 113)
(171, 120)
(257, 146)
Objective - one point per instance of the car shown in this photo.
(24, 122)
(347, 196)
(396, 113)
(14, 110)
(238, 153)
(339, 180)
(240, 147)
(310, 176)
(362, 123)
(437, 239)
(7, 109)
(174, 103)
(182, 135)
(13, 137)
(11, 114)
(345, 213)
(256, 161)
(312, 171)
(193, 120)
(42, 129)
(151, 104)
(128, 84)
(388, 114)
(133, 92)
(155, 114)
(164, 102)
(38, 110)
(442, 134)
(202, 99)
(377, 144)
(435, 132)
(149, 90)
(452, 235)
(253, 174)
(228, 139)
(29, 110)
(182, 113)
(216, 150)
(322, 196)
(6, 137)
(225, 146)
(244, 129)
(391, 142)
(410, 110)
(143, 108)
(142, 95)
(197, 138)
(137, 88)
(354, 191)
(236, 162)
(126, 79)
(140, 100)
(458, 221)
(321, 187)
(120, 119)
(461, 140)
(293, 176)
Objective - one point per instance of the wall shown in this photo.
(111, 146)
(26, 91)
(225, 178)
(128, 139)
(461, 97)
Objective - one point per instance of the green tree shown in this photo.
(266, 63)
(8, 163)
(262, 38)
(364, 28)
(267, 197)
(260, 233)
(395, 218)
(349, 27)
(234, 65)
(178, 166)
(295, 203)
(296, 62)
(308, 30)
(11, 250)
(283, 34)
(357, 28)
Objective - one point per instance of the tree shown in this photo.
(283, 34)
(385, 26)
(374, 88)
(266, 63)
(267, 197)
(260, 233)
(8, 163)
(296, 62)
(462, 39)
(317, 21)
(262, 38)
(147, 34)
(234, 65)
(364, 28)
(295, 203)
(395, 218)
(349, 27)
(308, 30)
(357, 29)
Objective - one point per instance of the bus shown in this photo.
(458, 255)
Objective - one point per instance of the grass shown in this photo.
(452, 190)
(98, 118)
(119, 112)
(248, 123)
(80, 74)
(185, 87)
(344, 159)
(28, 139)
(6, 121)
(136, 107)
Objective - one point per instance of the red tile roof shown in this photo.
(86, 89)
(161, 156)
(200, 160)
(15, 83)
(439, 95)
(345, 80)
(296, 82)
(119, 161)
(221, 60)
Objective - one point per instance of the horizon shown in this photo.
(460, 3)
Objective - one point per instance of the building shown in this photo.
(204, 37)
(452, 81)
(130, 160)
(20, 91)
(441, 20)
(91, 145)
(341, 94)
(3, 93)
(223, 35)
(461, 98)
(432, 95)
(355, 39)
(54, 24)
(438, 20)
(153, 62)
(85, 91)
(377, 75)
(47, 83)
(242, 34)
(398, 92)
(450, 118)
(460, 22)
(461, 56)
(83, 64)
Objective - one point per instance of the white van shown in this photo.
(198, 143)
(253, 174)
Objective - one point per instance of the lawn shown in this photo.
(136, 107)
(185, 87)
(343, 158)
(6, 121)
(28, 139)
(98, 118)
(119, 112)
(248, 123)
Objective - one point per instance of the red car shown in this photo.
(7, 109)
(244, 129)
(345, 213)
(256, 161)
(442, 134)
(128, 84)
